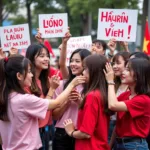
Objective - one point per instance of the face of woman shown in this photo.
(28, 79)
(86, 74)
(25, 81)
(128, 76)
(76, 64)
(119, 66)
(41, 61)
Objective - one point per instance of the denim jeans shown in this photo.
(62, 141)
(141, 145)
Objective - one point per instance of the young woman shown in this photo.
(70, 108)
(118, 63)
(19, 112)
(39, 55)
(133, 115)
(93, 121)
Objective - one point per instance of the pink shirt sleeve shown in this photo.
(35, 106)
(60, 89)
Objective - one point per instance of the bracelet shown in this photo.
(72, 133)
(111, 83)
(110, 55)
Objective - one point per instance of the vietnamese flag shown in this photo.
(146, 42)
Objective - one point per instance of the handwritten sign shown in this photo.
(53, 25)
(74, 43)
(16, 36)
(117, 23)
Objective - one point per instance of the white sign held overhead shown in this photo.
(84, 42)
(120, 24)
(16, 36)
(53, 25)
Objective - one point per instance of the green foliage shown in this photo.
(8, 6)
(77, 10)
(18, 19)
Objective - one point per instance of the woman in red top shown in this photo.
(133, 106)
(93, 121)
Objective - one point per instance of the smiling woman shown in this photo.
(70, 109)
(132, 107)
(20, 112)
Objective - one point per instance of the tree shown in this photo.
(7, 7)
(82, 9)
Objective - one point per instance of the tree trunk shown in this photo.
(1, 11)
(85, 25)
(28, 4)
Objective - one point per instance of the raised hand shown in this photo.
(124, 45)
(2, 54)
(109, 73)
(112, 45)
(67, 36)
(54, 81)
(38, 36)
(78, 80)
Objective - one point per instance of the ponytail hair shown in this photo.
(9, 67)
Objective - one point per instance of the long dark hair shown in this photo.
(83, 54)
(125, 56)
(139, 55)
(32, 51)
(96, 64)
(141, 69)
(8, 80)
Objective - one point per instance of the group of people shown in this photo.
(98, 102)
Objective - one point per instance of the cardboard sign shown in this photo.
(53, 25)
(117, 23)
(16, 36)
(74, 43)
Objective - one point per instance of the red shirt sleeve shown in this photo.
(136, 106)
(54, 71)
(90, 111)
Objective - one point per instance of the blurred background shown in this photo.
(82, 15)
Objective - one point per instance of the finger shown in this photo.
(104, 72)
(70, 121)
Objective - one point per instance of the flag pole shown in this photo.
(149, 14)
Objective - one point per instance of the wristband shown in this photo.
(110, 55)
(72, 133)
(111, 83)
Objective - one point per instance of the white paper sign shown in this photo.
(120, 24)
(53, 25)
(74, 43)
(16, 36)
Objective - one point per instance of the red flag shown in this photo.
(146, 42)
(48, 45)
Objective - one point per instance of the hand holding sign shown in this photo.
(53, 25)
(38, 36)
(15, 36)
(124, 45)
(112, 45)
(117, 23)
(67, 36)
(2, 54)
